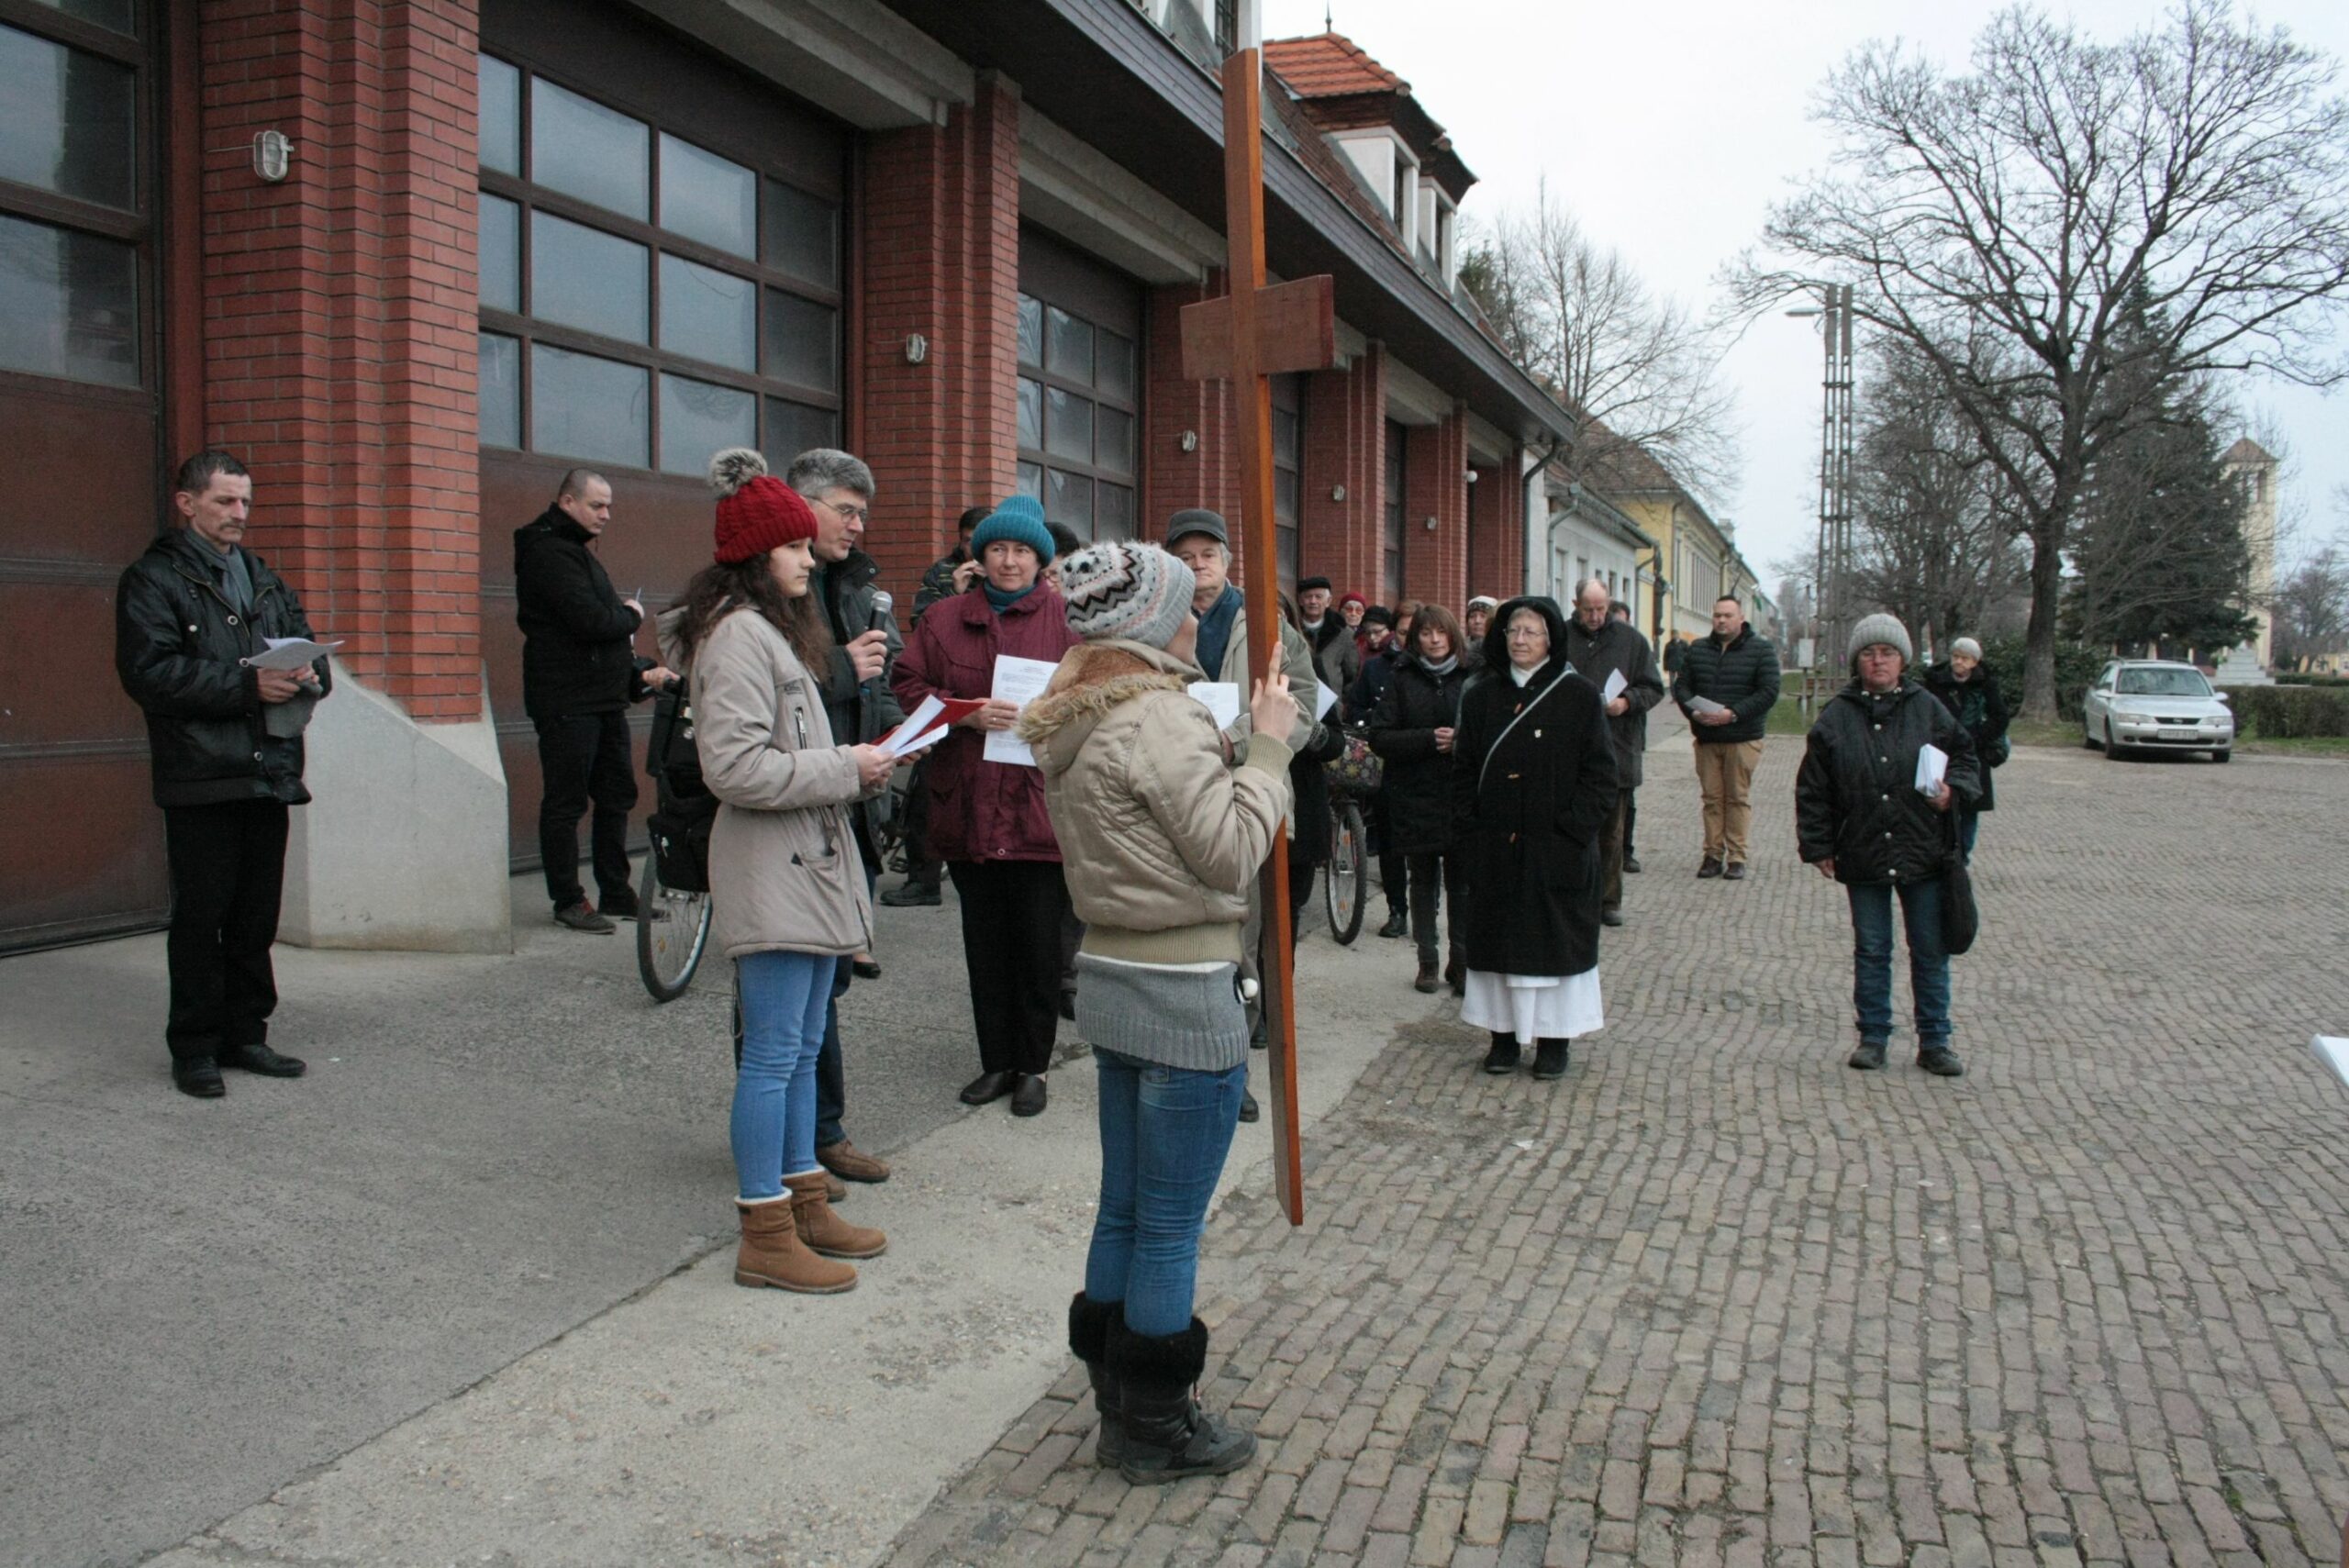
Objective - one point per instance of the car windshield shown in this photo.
(2161, 683)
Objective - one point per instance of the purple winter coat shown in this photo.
(981, 810)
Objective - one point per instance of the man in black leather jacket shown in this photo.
(225, 743)
(1860, 818)
(580, 673)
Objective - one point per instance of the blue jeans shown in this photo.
(1164, 1134)
(1968, 823)
(784, 996)
(1920, 915)
(832, 1079)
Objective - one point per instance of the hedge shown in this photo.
(2290, 713)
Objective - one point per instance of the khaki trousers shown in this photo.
(1725, 773)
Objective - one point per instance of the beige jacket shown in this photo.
(784, 869)
(1159, 840)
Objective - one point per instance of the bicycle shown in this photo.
(673, 907)
(1345, 891)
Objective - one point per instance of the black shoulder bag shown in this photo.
(1961, 917)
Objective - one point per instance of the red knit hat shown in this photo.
(755, 512)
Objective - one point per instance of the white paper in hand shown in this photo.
(1019, 682)
(1932, 766)
(291, 654)
(1323, 700)
(1221, 698)
(1705, 705)
(1615, 687)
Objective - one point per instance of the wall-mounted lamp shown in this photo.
(1431, 525)
(1189, 441)
(1337, 493)
(272, 155)
(1472, 476)
(916, 348)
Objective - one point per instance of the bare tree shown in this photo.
(1635, 368)
(2311, 604)
(1997, 221)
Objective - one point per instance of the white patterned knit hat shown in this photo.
(1126, 590)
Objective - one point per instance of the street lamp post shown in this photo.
(1831, 579)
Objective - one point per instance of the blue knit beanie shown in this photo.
(1020, 519)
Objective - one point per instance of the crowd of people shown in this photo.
(1103, 825)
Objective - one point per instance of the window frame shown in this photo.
(1086, 290)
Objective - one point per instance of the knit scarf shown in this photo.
(1439, 668)
(1001, 600)
(1215, 630)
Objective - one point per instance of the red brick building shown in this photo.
(411, 260)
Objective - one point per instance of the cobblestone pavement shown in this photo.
(1717, 1300)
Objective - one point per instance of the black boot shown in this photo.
(1399, 924)
(1502, 1058)
(1088, 1339)
(1550, 1059)
(1168, 1436)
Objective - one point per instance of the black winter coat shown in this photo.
(861, 712)
(1416, 797)
(1742, 677)
(177, 646)
(1619, 646)
(1855, 794)
(1981, 707)
(1532, 784)
(1308, 837)
(578, 640)
(1361, 698)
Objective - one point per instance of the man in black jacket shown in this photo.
(1727, 685)
(1601, 648)
(1336, 659)
(579, 674)
(1861, 820)
(225, 743)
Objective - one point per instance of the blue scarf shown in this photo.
(1001, 600)
(1215, 631)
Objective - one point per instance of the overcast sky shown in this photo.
(1669, 130)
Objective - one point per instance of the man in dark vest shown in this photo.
(224, 742)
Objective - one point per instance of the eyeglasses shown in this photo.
(853, 514)
(1526, 633)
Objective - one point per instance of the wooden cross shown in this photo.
(1245, 338)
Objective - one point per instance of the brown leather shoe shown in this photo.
(773, 1254)
(824, 1231)
(1429, 976)
(850, 1164)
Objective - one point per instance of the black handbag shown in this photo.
(683, 810)
(1961, 917)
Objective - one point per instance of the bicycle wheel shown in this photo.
(671, 930)
(1346, 888)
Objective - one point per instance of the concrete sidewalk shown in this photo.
(464, 1293)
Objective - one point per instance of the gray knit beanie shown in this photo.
(1967, 646)
(1126, 590)
(1880, 627)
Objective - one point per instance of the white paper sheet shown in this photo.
(291, 654)
(905, 741)
(1323, 700)
(1615, 687)
(1705, 705)
(1221, 698)
(2333, 1051)
(1020, 682)
(1932, 766)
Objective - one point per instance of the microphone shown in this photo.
(882, 602)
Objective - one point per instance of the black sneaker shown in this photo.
(1940, 1062)
(1868, 1056)
(582, 916)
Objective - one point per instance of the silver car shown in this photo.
(2158, 705)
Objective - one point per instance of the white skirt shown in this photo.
(1534, 1007)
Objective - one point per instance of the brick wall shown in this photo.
(1173, 479)
(1345, 443)
(1435, 564)
(940, 249)
(339, 326)
(1497, 541)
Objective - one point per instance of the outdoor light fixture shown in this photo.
(272, 155)
(1337, 493)
(1431, 525)
(1189, 441)
(916, 348)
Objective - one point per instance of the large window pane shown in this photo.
(1113, 436)
(1068, 345)
(583, 277)
(501, 391)
(1113, 511)
(1031, 480)
(708, 198)
(501, 254)
(590, 408)
(802, 235)
(802, 342)
(794, 427)
(115, 15)
(501, 116)
(1068, 498)
(1115, 371)
(1068, 424)
(584, 150)
(709, 315)
(1285, 437)
(698, 420)
(69, 305)
(71, 120)
(1031, 331)
(1031, 414)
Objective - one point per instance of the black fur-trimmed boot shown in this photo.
(1089, 1342)
(1168, 1436)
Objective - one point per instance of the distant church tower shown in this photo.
(2254, 468)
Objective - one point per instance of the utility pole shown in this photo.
(1831, 568)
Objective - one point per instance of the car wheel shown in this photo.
(2111, 746)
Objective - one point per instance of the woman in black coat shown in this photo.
(1970, 691)
(1308, 837)
(1412, 729)
(1533, 785)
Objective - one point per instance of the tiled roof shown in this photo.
(2248, 450)
(1330, 65)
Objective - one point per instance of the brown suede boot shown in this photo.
(824, 1231)
(773, 1254)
